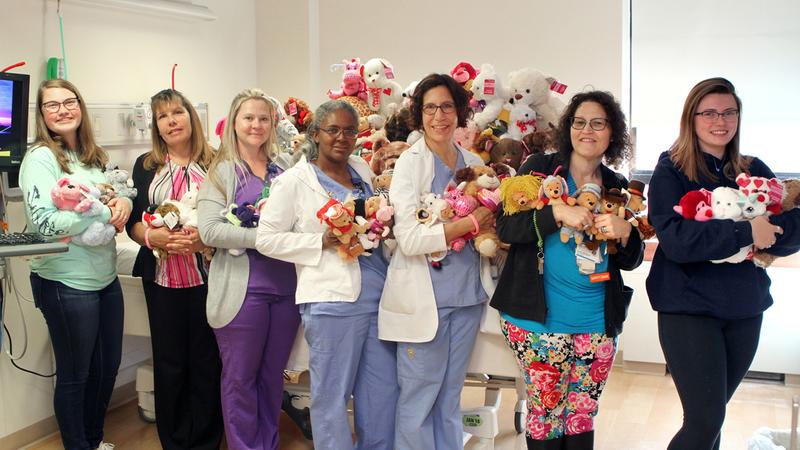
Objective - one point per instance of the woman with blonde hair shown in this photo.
(251, 297)
(77, 291)
(186, 365)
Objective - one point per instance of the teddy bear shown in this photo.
(398, 125)
(408, 93)
(521, 121)
(386, 155)
(531, 87)
(475, 178)
(299, 113)
(727, 203)
(519, 193)
(589, 196)
(507, 151)
(540, 141)
(383, 181)
(245, 215)
(481, 183)
(69, 195)
(120, 181)
(695, 205)
(352, 84)
(771, 187)
(554, 191)
(434, 210)
(164, 215)
(487, 89)
(187, 207)
(340, 218)
(790, 199)
(483, 144)
(284, 128)
(378, 214)
(635, 206)
(611, 202)
(384, 95)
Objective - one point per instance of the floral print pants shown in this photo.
(564, 374)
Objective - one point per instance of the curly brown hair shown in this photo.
(460, 98)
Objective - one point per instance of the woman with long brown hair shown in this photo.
(709, 315)
(186, 364)
(77, 291)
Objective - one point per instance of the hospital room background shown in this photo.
(646, 53)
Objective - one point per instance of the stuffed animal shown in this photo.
(245, 215)
(352, 83)
(359, 105)
(521, 121)
(635, 205)
(612, 202)
(382, 182)
(340, 218)
(384, 95)
(187, 207)
(463, 72)
(120, 181)
(435, 210)
(298, 113)
(398, 125)
(482, 146)
(695, 205)
(284, 128)
(554, 191)
(507, 151)
(790, 200)
(531, 87)
(481, 182)
(588, 196)
(68, 195)
(770, 187)
(540, 141)
(519, 193)
(462, 206)
(378, 214)
(727, 203)
(408, 93)
(488, 90)
(386, 155)
(465, 136)
(165, 215)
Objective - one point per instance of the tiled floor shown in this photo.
(637, 412)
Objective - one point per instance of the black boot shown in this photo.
(550, 444)
(583, 441)
(300, 417)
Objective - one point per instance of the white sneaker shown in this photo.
(105, 446)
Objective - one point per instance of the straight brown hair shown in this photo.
(202, 152)
(686, 154)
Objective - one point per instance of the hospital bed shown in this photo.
(492, 366)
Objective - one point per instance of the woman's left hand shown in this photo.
(120, 212)
(613, 226)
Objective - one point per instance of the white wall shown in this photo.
(113, 57)
(578, 42)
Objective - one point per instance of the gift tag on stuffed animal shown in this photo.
(555, 86)
(293, 109)
(171, 220)
(587, 259)
(488, 86)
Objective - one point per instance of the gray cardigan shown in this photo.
(228, 274)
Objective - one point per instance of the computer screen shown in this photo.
(13, 119)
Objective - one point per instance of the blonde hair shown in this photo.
(686, 154)
(526, 184)
(202, 152)
(89, 153)
(229, 147)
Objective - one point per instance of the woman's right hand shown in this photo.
(329, 239)
(576, 217)
(159, 237)
(764, 232)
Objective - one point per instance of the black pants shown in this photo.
(186, 368)
(707, 358)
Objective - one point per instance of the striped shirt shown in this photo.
(171, 182)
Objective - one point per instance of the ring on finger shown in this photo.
(603, 229)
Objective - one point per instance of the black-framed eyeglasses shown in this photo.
(597, 124)
(429, 109)
(348, 133)
(69, 104)
(710, 115)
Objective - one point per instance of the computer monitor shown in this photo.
(13, 119)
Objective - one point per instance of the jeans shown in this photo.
(86, 333)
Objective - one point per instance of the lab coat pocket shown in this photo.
(402, 291)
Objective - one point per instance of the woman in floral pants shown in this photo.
(562, 304)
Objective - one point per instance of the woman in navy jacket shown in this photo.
(709, 315)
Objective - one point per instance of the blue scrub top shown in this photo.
(458, 282)
(574, 304)
(373, 267)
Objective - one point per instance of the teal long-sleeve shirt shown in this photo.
(82, 267)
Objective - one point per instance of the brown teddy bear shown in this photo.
(613, 202)
(385, 155)
(298, 113)
(554, 191)
(482, 146)
(340, 217)
(481, 183)
(635, 205)
(507, 151)
(381, 183)
(588, 196)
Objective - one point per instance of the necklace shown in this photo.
(186, 180)
(716, 167)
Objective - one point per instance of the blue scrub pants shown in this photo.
(347, 358)
(431, 375)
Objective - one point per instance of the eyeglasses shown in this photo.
(447, 108)
(597, 124)
(348, 133)
(711, 115)
(69, 104)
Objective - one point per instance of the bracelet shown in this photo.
(474, 222)
(147, 238)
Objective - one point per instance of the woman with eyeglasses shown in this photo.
(560, 318)
(338, 299)
(250, 296)
(78, 291)
(186, 364)
(433, 313)
(709, 315)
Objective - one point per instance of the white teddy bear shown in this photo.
(521, 121)
(486, 87)
(728, 203)
(531, 87)
(384, 95)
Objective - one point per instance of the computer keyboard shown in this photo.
(21, 238)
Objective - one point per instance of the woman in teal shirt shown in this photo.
(77, 291)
